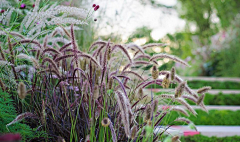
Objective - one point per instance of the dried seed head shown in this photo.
(110, 83)
(149, 122)
(148, 112)
(140, 93)
(109, 53)
(22, 92)
(105, 122)
(95, 92)
(180, 89)
(166, 81)
(134, 132)
(155, 72)
(203, 89)
(173, 72)
(200, 99)
(155, 105)
(175, 138)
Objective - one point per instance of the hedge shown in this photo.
(214, 85)
(201, 138)
(214, 117)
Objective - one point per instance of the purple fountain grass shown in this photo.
(174, 58)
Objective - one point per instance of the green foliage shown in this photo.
(8, 114)
(201, 138)
(214, 117)
(228, 58)
(214, 85)
(221, 99)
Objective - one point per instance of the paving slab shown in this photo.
(218, 131)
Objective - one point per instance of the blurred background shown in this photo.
(203, 32)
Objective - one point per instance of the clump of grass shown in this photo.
(96, 95)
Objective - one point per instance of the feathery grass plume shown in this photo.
(109, 53)
(31, 59)
(105, 122)
(95, 92)
(65, 31)
(173, 72)
(124, 51)
(175, 138)
(134, 73)
(140, 93)
(64, 57)
(179, 109)
(50, 49)
(73, 38)
(28, 41)
(134, 132)
(180, 89)
(10, 46)
(20, 117)
(183, 119)
(166, 81)
(203, 89)
(1, 52)
(133, 45)
(200, 99)
(155, 72)
(183, 102)
(149, 46)
(190, 98)
(90, 58)
(2, 85)
(51, 70)
(168, 96)
(96, 44)
(163, 55)
(148, 113)
(51, 62)
(153, 44)
(5, 63)
(64, 47)
(114, 137)
(22, 91)
(155, 105)
(124, 109)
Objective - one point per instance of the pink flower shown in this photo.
(33, 5)
(96, 8)
(2, 11)
(10, 137)
(93, 5)
(23, 6)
